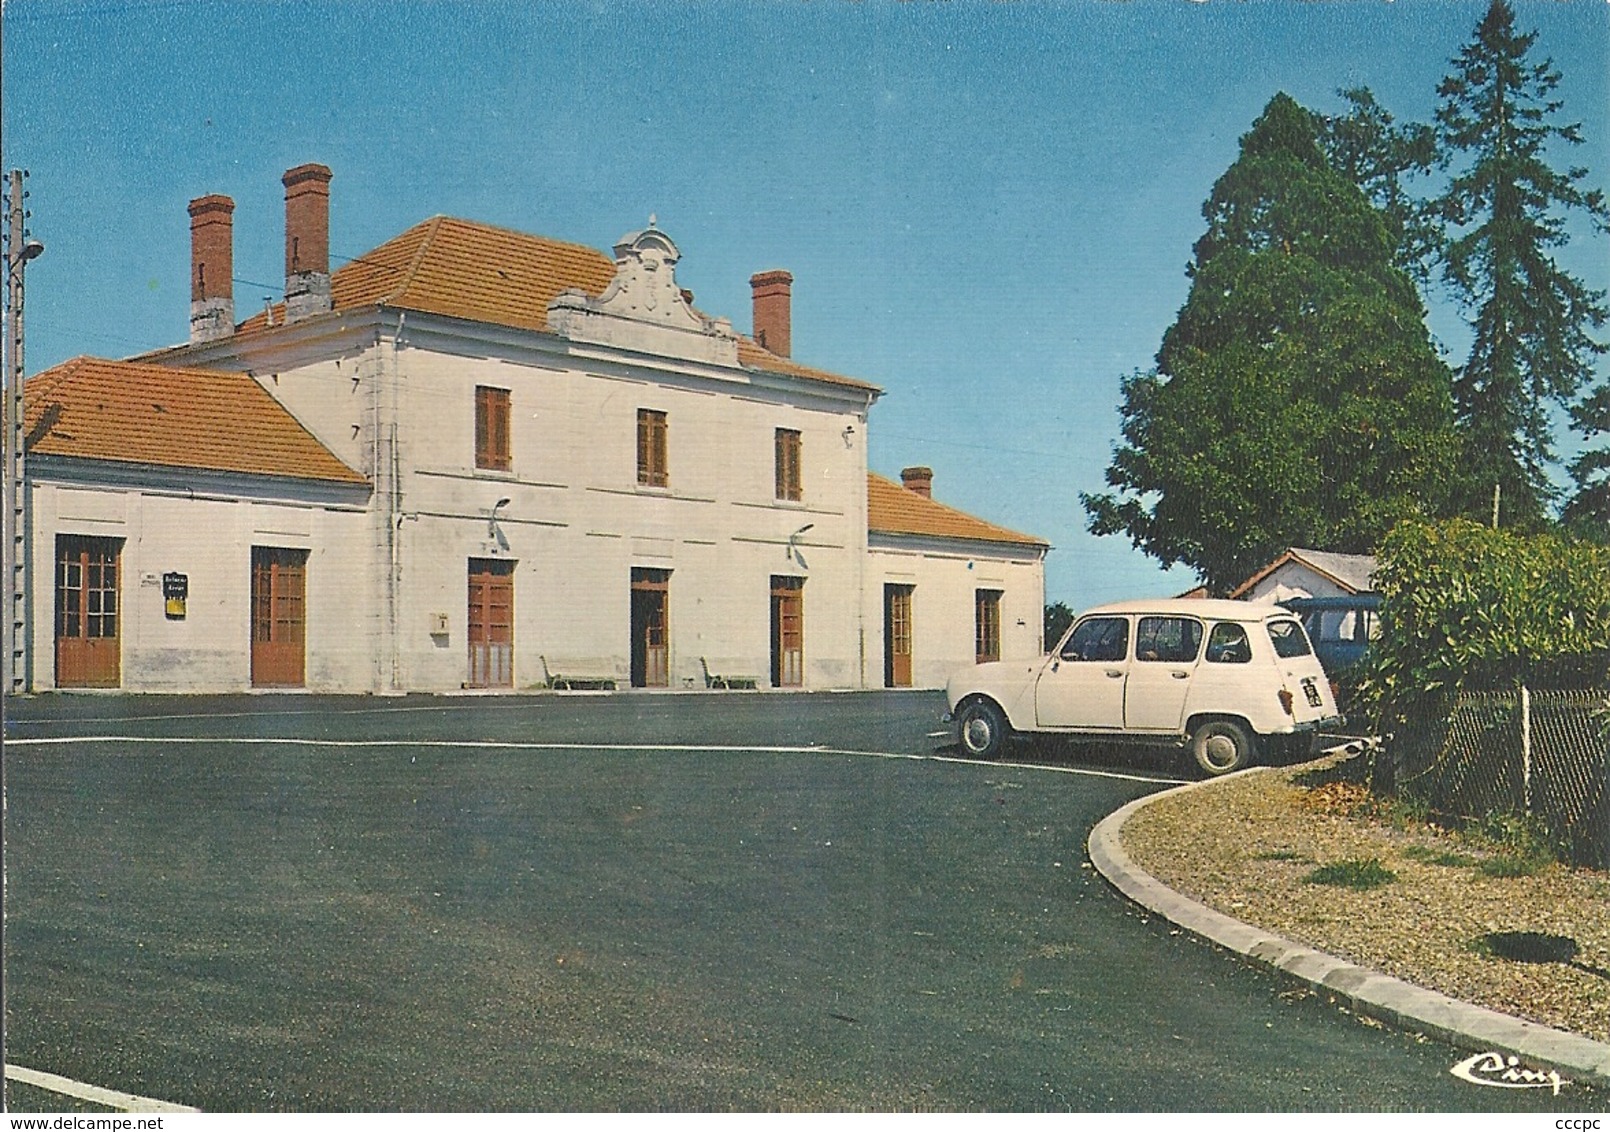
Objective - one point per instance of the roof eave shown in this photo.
(124, 472)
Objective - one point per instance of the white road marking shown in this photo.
(495, 744)
(94, 1094)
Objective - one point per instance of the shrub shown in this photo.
(1521, 843)
(1467, 608)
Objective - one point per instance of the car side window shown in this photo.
(1170, 639)
(1098, 638)
(1228, 644)
(1289, 639)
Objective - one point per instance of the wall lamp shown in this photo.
(493, 531)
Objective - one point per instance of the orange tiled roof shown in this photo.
(464, 269)
(896, 510)
(141, 413)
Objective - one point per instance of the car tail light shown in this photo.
(1286, 700)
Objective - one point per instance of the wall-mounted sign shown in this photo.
(175, 591)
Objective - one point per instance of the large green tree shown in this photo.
(1297, 397)
(1505, 210)
(1380, 155)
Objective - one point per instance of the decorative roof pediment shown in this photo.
(643, 308)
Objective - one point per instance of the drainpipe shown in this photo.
(860, 453)
(394, 508)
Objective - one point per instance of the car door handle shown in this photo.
(1115, 672)
(1180, 675)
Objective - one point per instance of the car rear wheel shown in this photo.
(1222, 745)
(982, 728)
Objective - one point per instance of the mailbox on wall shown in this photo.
(175, 591)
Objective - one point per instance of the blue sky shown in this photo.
(987, 208)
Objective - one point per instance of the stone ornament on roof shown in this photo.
(643, 308)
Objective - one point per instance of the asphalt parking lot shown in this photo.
(621, 902)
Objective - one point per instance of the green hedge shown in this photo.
(1467, 608)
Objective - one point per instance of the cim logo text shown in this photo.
(1503, 1072)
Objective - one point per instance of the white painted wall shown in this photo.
(946, 575)
(207, 537)
(1293, 579)
(577, 521)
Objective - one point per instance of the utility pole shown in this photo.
(18, 674)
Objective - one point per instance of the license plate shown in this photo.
(1312, 693)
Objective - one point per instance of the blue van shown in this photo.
(1341, 628)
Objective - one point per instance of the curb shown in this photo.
(1382, 997)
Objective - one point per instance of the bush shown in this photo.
(1467, 608)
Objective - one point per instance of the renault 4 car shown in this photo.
(1227, 679)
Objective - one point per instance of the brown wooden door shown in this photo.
(491, 623)
(88, 641)
(897, 636)
(279, 617)
(986, 625)
(787, 632)
(651, 652)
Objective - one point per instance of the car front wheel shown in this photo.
(1222, 745)
(981, 726)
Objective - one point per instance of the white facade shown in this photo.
(393, 394)
(449, 571)
(1300, 572)
(202, 527)
(945, 578)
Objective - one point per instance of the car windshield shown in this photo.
(1289, 639)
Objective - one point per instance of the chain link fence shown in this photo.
(1541, 754)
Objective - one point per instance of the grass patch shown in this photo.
(1280, 855)
(1355, 874)
(1512, 865)
(1442, 857)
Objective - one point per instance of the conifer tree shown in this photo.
(1588, 512)
(1504, 209)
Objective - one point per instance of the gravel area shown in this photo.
(1247, 846)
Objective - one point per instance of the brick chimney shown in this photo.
(307, 241)
(773, 291)
(212, 268)
(919, 480)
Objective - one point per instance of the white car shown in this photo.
(1222, 677)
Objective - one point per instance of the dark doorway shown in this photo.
(787, 632)
(651, 652)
